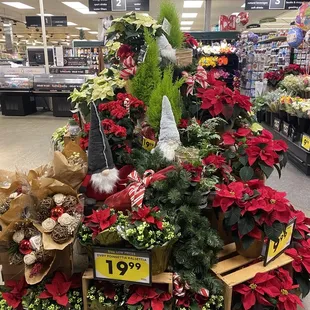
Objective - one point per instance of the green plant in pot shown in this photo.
(147, 229)
(252, 212)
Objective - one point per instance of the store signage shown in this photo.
(148, 144)
(55, 87)
(118, 5)
(305, 142)
(228, 23)
(72, 70)
(253, 26)
(267, 20)
(123, 265)
(75, 61)
(50, 21)
(276, 124)
(293, 134)
(275, 249)
(286, 129)
(272, 4)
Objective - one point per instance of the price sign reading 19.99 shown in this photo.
(122, 265)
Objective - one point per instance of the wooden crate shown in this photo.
(184, 57)
(234, 269)
(88, 276)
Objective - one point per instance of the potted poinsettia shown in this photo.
(103, 224)
(147, 229)
(251, 212)
(254, 154)
(273, 290)
(104, 296)
(147, 298)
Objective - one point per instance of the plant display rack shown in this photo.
(88, 276)
(234, 269)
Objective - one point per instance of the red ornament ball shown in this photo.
(25, 247)
(57, 212)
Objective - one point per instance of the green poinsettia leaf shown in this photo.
(273, 232)
(246, 173)
(232, 216)
(266, 169)
(246, 225)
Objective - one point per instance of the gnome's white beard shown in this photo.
(168, 149)
(104, 182)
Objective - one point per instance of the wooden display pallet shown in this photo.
(88, 276)
(234, 269)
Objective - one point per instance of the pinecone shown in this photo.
(60, 234)
(16, 258)
(6, 206)
(44, 208)
(31, 231)
(69, 202)
(43, 256)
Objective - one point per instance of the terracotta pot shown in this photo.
(254, 251)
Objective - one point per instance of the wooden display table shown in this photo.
(234, 269)
(88, 276)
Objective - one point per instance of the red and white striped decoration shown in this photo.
(130, 68)
(200, 77)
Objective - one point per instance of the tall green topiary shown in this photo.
(165, 87)
(149, 73)
(169, 11)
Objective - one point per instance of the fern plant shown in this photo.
(149, 73)
(169, 11)
(165, 87)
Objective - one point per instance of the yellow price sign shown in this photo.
(275, 249)
(148, 144)
(123, 265)
(305, 142)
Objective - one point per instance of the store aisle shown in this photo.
(25, 142)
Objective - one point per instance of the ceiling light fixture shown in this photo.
(6, 25)
(93, 32)
(185, 28)
(71, 24)
(78, 6)
(189, 15)
(82, 28)
(19, 5)
(193, 4)
(187, 22)
(74, 35)
(45, 14)
(243, 5)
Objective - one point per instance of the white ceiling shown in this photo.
(56, 7)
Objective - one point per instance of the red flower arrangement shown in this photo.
(274, 77)
(195, 171)
(148, 215)
(124, 52)
(148, 297)
(18, 289)
(190, 41)
(100, 220)
(272, 289)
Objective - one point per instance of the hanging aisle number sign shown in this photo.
(253, 5)
(118, 5)
(130, 266)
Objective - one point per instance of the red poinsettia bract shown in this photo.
(149, 298)
(57, 289)
(100, 220)
(18, 290)
(196, 172)
(301, 256)
(148, 215)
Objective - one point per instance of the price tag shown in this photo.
(275, 249)
(166, 26)
(148, 144)
(130, 266)
(286, 129)
(305, 142)
(277, 124)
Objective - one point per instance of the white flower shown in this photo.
(36, 242)
(66, 219)
(30, 259)
(59, 199)
(48, 225)
(13, 195)
(18, 236)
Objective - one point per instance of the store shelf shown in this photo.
(272, 40)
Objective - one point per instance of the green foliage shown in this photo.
(165, 87)
(82, 34)
(148, 74)
(169, 11)
(196, 250)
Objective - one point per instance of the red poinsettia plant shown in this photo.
(148, 215)
(254, 154)
(273, 290)
(274, 77)
(190, 41)
(100, 220)
(252, 211)
(147, 297)
(16, 291)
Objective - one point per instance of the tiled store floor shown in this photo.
(25, 143)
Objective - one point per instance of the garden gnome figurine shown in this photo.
(169, 137)
(102, 177)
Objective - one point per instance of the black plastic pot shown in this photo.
(292, 120)
(260, 116)
(268, 118)
(303, 125)
(283, 116)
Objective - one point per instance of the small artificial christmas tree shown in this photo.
(148, 74)
(169, 11)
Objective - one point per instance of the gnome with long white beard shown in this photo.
(102, 177)
(169, 137)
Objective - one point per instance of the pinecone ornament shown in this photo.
(43, 256)
(5, 206)
(44, 208)
(16, 258)
(60, 234)
(30, 232)
(69, 202)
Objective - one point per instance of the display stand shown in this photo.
(163, 278)
(234, 269)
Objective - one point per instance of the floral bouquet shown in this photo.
(274, 77)
(252, 211)
(147, 229)
(147, 298)
(104, 296)
(254, 154)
